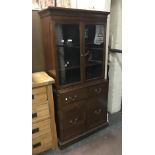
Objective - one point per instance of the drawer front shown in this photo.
(72, 96)
(98, 90)
(39, 95)
(41, 128)
(39, 90)
(42, 143)
(73, 116)
(97, 112)
(40, 112)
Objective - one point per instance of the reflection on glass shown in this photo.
(94, 43)
(68, 52)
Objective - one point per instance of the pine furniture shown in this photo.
(44, 135)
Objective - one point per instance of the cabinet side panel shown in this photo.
(46, 33)
(38, 62)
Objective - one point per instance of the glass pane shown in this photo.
(68, 52)
(94, 43)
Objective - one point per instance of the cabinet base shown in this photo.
(63, 145)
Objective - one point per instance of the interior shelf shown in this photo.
(71, 68)
(69, 45)
(93, 63)
(93, 48)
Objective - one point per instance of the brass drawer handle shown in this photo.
(35, 130)
(98, 90)
(74, 121)
(36, 145)
(75, 96)
(71, 98)
(34, 115)
(98, 111)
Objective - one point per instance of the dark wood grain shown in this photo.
(81, 107)
(90, 107)
(38, 62)
(47, 43)
(64, 144)
(96, 112)
(97, 90)
(72, 12)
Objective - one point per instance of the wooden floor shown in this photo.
(104, 142)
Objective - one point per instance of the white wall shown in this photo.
(115, 65)
(101, 5)
(115, 83)
(116, 24)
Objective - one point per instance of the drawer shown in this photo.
(39, 98)
(97, 113)
(97, 101)
(39, 95)
(98, 90)
(40, 112)
(73, 116)
(39, 90)
(41, 143)
(41, 128)
(72, 96)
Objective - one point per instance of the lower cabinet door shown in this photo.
(72, 121)
(96, 112)
(71, 133)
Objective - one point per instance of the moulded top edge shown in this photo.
(60, 10)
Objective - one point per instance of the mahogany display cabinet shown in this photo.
(75, 52)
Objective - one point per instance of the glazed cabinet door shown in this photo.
(80, 51)
(94, 50)
(67, 38)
